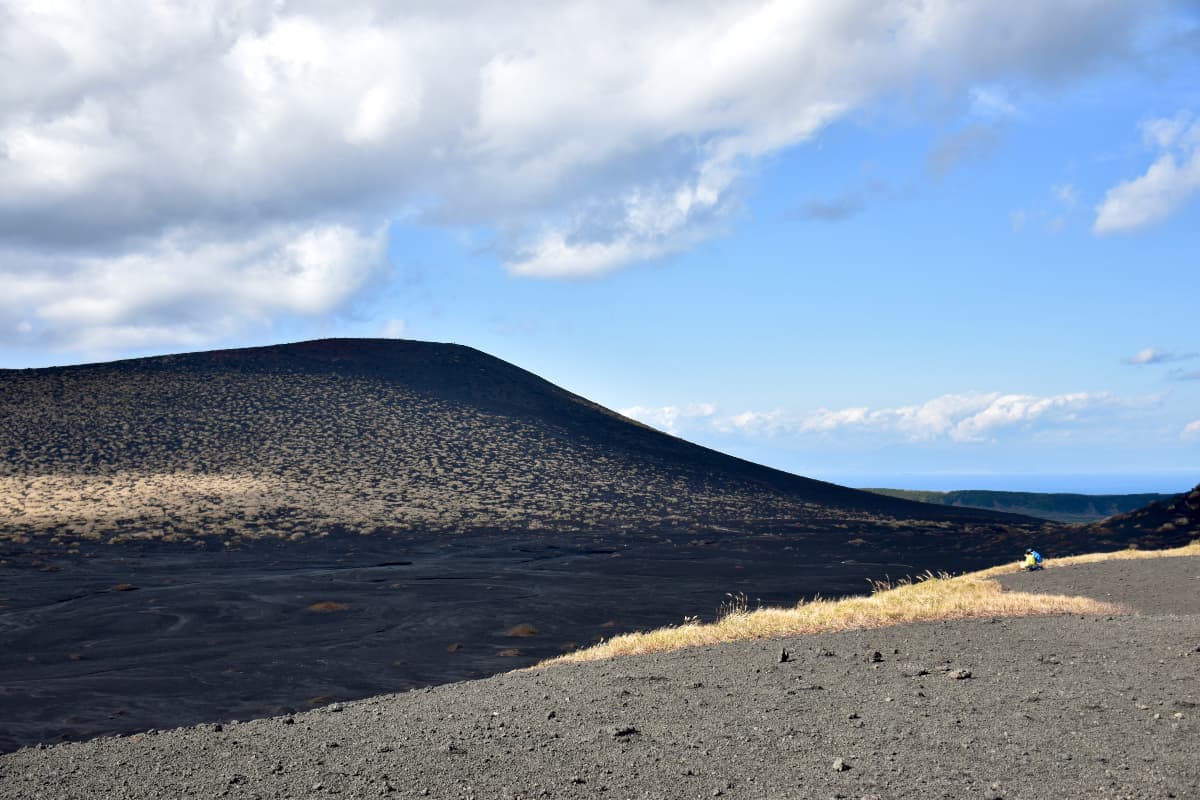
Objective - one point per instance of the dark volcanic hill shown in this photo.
(297, 440)
(364, 435)
(1156, 524)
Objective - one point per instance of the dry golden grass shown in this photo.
(1192, 549)
(930, 598)
(328, 607)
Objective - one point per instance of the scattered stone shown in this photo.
(960, 674)
(840, 765)
(910, 670)
(551, 715)
(621, 731)
(876, 657)
(784, 656)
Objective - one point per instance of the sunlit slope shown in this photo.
(365, 435)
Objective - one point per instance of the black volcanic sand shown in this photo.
(129, 639)
(1076, 707)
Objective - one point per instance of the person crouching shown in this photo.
(1033, 560)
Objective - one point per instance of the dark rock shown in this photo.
(784, 656)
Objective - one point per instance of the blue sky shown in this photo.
(935, 245)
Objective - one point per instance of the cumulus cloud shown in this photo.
(1191, 430)
(1165, 186)
(956, 417)
(588, 136)
(669, 418)
(185, 286)
(965, 417)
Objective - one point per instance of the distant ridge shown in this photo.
(1055, 506)
(1175, 516)
(402, 437)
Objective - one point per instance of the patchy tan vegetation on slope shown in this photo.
(927, 599)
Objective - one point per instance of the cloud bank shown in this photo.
(155, 151)
(968, 417)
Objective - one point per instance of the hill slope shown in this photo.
(362, 435)
(1174, 518)
(1055, 506)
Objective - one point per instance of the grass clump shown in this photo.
(925, 599)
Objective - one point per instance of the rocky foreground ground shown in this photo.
(1074, 707)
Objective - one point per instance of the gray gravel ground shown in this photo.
(1074, 707)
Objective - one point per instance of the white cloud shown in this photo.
(669, 418)
(1147, 355)
(186, 287)
(956, 417)
(1191, 430)
(1166, 185)
(588, 135)
(1153, 355)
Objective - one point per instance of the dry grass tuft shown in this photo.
(524, 629)
(328, 607)
(926, 599)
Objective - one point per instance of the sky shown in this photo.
(918, 243)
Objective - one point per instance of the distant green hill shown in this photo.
(1073, 508)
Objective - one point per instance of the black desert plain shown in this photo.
(354, 547)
